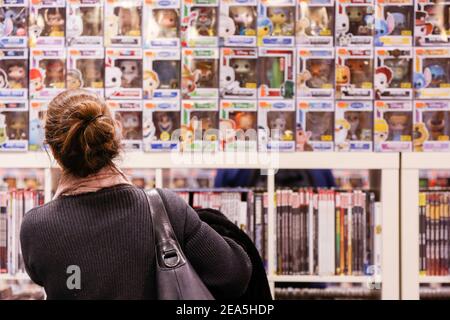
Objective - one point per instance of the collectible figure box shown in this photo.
(122, 27)
(432, 73)
(162, 24)
(123, 73)
(238, 22)
(315, 73)
(85, 69)
(162, 74)
(276, 69)
(431, 126)
(432, 25)
(354, 23)
(393, 73)
(238, 73)
(84, 23)
(38, 112)
(128, 114)
(13, 125)
(315, 125)
(47, 23)
(47, 72)
(392, 126)
(199, 77)
(354, 73)
(14, 73)
(276, 23)
(315, 23)
(14, 20)
(276, 125)
(394, 23)
(199, 23)
(161, 119)
(353, 126)
(199, 126)
(238, 125)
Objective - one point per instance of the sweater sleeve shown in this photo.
(220, 262)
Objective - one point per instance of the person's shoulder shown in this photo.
(172, 199)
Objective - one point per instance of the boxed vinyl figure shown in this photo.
(315, 23)
(162, 24)
(393, 73)
(199, 23)
(47, 23)
(315, 72)
(238, 73)
(161, 119)
(431, 76)
(38, 111)
(354, 73)
(432, 25)
(431, 126)
(199, 129)
(84, 23)
(392, 126)
(238, 22)
(14, 73)
(315, 125)
(128, 114)
(276, 125)
(161, 74)
(47, 75)
(354, 22)
(238, 125)
(13, 125)
(276, 23)
(394, 23)
(276, 69)
(123, 73)
(353, 126)
(199, 73)
(85, 69)
(14, 21)
(122, 26)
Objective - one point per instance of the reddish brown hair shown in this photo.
(81, 132)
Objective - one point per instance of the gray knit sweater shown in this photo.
(108, 235)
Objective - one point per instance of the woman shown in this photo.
(99, 224)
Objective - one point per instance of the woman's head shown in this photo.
(81, 132)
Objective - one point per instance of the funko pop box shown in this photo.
(161, 120)
(238, 23)
(84, 23)
(122, 26)
(276, 125)
(238, 125)
(162, 24)
(199, 23)
(315, 125)
(432, 27)
(355, 23)
(238, 73)
(315, 23)
(276, 23)
(13, 125)
(353, 126)
(47, 23)
(394, 21)
(392, 126)
(47, 73)
(123, 73)
(161, 78)
(128, 114)
(38, 112)
(85, 69)
(15, 30)
(14, 74)
(315, 73)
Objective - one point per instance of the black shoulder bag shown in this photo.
(176, 279)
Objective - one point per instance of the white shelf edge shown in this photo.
(19, 276)
(426, 160)
(434, 279)
(325, 279)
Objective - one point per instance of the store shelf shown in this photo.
(325, 279)
(426, 160)
(434, 279)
